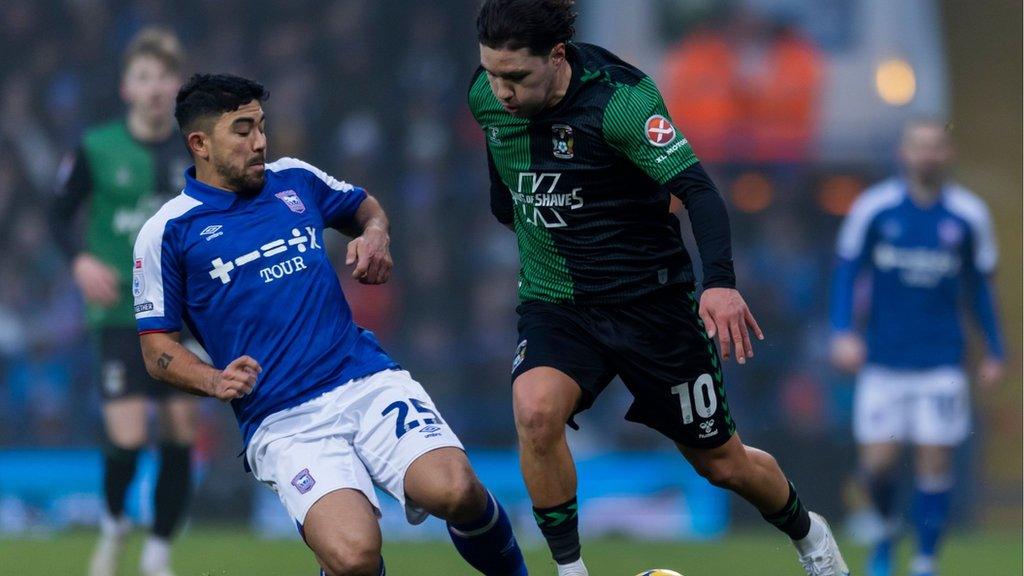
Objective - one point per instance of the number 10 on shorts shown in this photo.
(703, 398)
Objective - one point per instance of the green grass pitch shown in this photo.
(234, 552)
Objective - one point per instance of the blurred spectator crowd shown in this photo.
(373, 92)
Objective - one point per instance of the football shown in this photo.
(659, 572)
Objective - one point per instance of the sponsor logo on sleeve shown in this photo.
(138, 280)
(660, 132)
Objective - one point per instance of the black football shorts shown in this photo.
(122, 370)
(656, 343)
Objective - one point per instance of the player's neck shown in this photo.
(561, 85)
(923, 193)
(145, 130)
(206, 174)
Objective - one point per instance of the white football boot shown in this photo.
(819, 553)
(156, 557)
(108, 549)
(576, 568)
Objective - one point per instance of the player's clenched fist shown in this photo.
(237, 379)
(371, 255)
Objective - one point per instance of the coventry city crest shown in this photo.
(562, 140)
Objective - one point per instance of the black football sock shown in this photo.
(118, 470)
(560, 527)
(793, 519)
(173, 486)
(882, 489)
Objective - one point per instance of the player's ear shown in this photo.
(198, 144)
(557, 54)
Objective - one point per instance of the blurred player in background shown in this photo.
(583, 158)
(927, 243)
(325, 413)
(118, 177)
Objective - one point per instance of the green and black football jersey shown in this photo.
(116, 182)
(582, 184)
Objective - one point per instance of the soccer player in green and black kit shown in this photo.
(583, 156)
(120, 175)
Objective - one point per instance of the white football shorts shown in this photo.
(924, 407)
(364, 433)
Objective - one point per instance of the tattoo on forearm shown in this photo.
(164, 360)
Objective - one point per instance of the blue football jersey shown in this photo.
(923, 262)
(250, 276)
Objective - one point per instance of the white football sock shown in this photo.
(156, 554)
(814, 540)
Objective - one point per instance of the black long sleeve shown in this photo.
(74, 187)
(710, 222)
(501, 199)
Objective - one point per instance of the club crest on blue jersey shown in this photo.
(303, 481)
(951, 234)
(292, 201)
(562, 140)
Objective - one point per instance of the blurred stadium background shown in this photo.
(794, 105)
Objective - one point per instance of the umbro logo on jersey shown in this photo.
(660, 131)
(211, 232)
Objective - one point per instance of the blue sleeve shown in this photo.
(978, 284)
(844, 277)
(157, 280)
(337, 200)
(851, 246)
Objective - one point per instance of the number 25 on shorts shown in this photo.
(402, 425)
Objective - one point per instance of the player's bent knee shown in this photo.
(346, 560)
(465, 499)
(459, 498)
(538, 418)
(720, 472)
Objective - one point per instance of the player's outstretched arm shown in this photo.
(168, 361)
(370, 250)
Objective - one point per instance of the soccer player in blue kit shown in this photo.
(325, 413)
(928, 244)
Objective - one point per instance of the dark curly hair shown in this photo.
(206, 95)
(535, 24)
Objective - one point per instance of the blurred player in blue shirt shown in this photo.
(326, 415)
(928, 245)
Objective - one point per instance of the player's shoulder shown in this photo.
(630, 92)
(965, 204)
(479, 96)
(300, 171)
(287, 163)
(602, 66)
(174, 212)
(878, 198)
